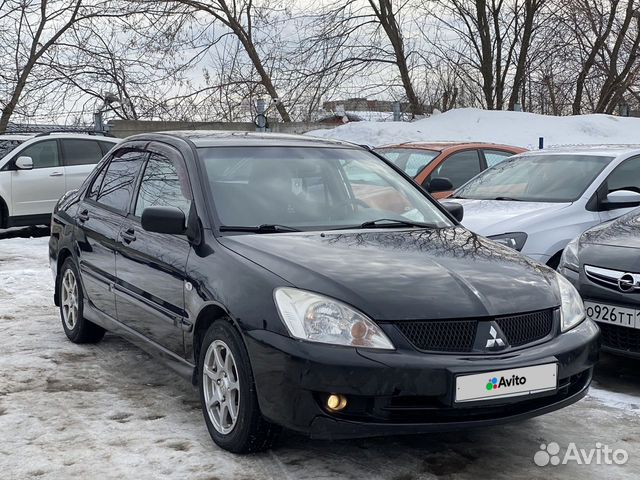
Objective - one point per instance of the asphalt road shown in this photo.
(110, 411)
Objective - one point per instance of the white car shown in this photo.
(37, 169)
(536, 202)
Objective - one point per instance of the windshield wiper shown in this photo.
(264, 228)
(394, 223)
(509, 199)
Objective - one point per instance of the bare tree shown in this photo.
(491, 38)
(240, 16)
(372, 42)
(386, 16)
(129, 66)
(31, 29)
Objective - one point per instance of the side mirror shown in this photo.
(455, 209)
(623, 199)
(439, 184)
(24, 163)
(169, 220)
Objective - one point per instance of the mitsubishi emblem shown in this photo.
(494, 341)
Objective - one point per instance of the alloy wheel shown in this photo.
(221, 387)
(69, 299)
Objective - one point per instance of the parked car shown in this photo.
(450, 164)
(251, 265)
(604, 264)
(37, 169)
(537, 202)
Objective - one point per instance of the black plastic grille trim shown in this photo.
(459, 335)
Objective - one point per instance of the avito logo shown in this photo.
(495, 382)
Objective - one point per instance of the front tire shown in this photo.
(77, 328)
(228, 393)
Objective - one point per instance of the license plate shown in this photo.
(506, 383)
(601, 312)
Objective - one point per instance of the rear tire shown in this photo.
(77, 328)
(228, 393)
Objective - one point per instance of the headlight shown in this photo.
(316, 318)
(572, 309)
(569, 258)
(515, 240)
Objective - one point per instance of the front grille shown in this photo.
(620, 338)
(459, 335)
(441, 336)
(526, 328)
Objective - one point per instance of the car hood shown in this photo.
(493, 217)
(405, 274)
(622, 232)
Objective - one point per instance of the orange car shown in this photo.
(450, 164)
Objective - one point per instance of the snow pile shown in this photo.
(511, 128)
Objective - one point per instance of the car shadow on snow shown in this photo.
(24, 232)
(618, 374)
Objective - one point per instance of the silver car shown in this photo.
(536, 202)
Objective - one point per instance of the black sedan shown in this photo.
(309, 284)
(604, 264)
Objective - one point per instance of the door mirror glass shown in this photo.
(623, 198)
(455, 209)
(169, 220)
(24, 163)
(439, 184)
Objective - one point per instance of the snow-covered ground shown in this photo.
(512, 128)
(110, 411)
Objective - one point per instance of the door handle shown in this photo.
(83, 216)
(56, 174)
(128, 235)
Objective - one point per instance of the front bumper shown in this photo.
(403, 392)
(616, 339)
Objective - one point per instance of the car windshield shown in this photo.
(309, 188)
(411, 160)
(536, 178)
(6, 146)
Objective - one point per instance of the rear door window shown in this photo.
(80, 151)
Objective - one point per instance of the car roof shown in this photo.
(218, 138)
(441, 146)
(613, 150)
(28, 136)
(16, 136)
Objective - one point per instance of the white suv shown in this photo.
(37, 169)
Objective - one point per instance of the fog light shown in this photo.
(336, 402)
